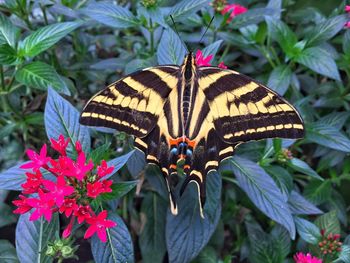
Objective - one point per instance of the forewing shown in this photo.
(243, 109)
(132, 104)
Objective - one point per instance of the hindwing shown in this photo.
(132, 104)
(243, 109)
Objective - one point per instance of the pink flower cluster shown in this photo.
(205, 61)
(72, 192)
(347, 9)
(306, 258)
(234, 10)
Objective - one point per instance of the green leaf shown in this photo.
(329, 222)
(252, 16)
(46, 37)
(303, 167)
(187, 233)
(152, 238)
(281, 33)
(99, 153)
(328, 136)
(111, 15)
(118, 248)
(118, 163)
(318, 192)
(308, 231)
(185, 8)
(282, 178)
(326, 30)
(136, 163)
(344, 256)
(207, 255)
(8, 32)
(263, 192)
(346, 42)
(320, 61)
(298, 205)
(7, 252)
(32, 238)
(170, 50)
(119, 190)
(40, 75)
(62, 118)
(8, 55)
(212, 49)
(12, 178)
(280, 79)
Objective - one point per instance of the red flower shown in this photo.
(308, 258)
(78, 147)
(203, 61)
(68, 207)
(60, 166)
(347, 8)
(103, 169)
(22, 205)
(222, 65)
(60, 145)
(43, 206)
(99, 224)
(235, 10)
(83, 213)
(58, 190)
(78, 169)
(37, 160)
(33, 183)
(97, 188)
(68, 230)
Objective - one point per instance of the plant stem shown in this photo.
(2, 78)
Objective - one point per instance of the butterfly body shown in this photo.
(192, 115)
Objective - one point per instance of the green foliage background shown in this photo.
(265, 206)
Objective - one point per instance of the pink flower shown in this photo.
(33, 183)
(308, 258)
(235, 10)
(83, 213)
(43, 206)
(99, 224)
(201, 60)
(347, 24)
(58, 190)
(68, 207)
(78, 169)
(78, 147)
(97, 188)
(22, 205)
(68, 230)
(60, 145)
(37, 160)
(222, 65)
(60, 166)
(103, 169)
(347, 8)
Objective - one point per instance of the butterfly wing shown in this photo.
(244, 110)
(132, 104)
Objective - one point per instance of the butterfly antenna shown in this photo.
(177, 32)
(211, 20)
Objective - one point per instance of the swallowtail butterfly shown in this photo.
(197, 115)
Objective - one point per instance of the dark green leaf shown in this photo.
(62, 118)
(8, 32)
(318, 192)
(282, 178)
(111, 15)
(118, 163)
(187, 233)
(40, 75)
(32, 238)
(118, 248)
(298, 205)
(98, 154)
(152, 238)
(7, 252)
(119, 190)
(207, 255)
(45, 37)
(281, 240)
(185, 8)
(170, 49)
(280, 79)
(334, 119)
(344, 256)
(252, 16)
(328, 136)
(326, 30)
(329, 222)
(8, 54)
(308, 231)
(136, 163)
(320, 61)
(346, 42)
(303, 167)
(263, 192)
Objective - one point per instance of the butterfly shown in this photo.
(191, 115)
